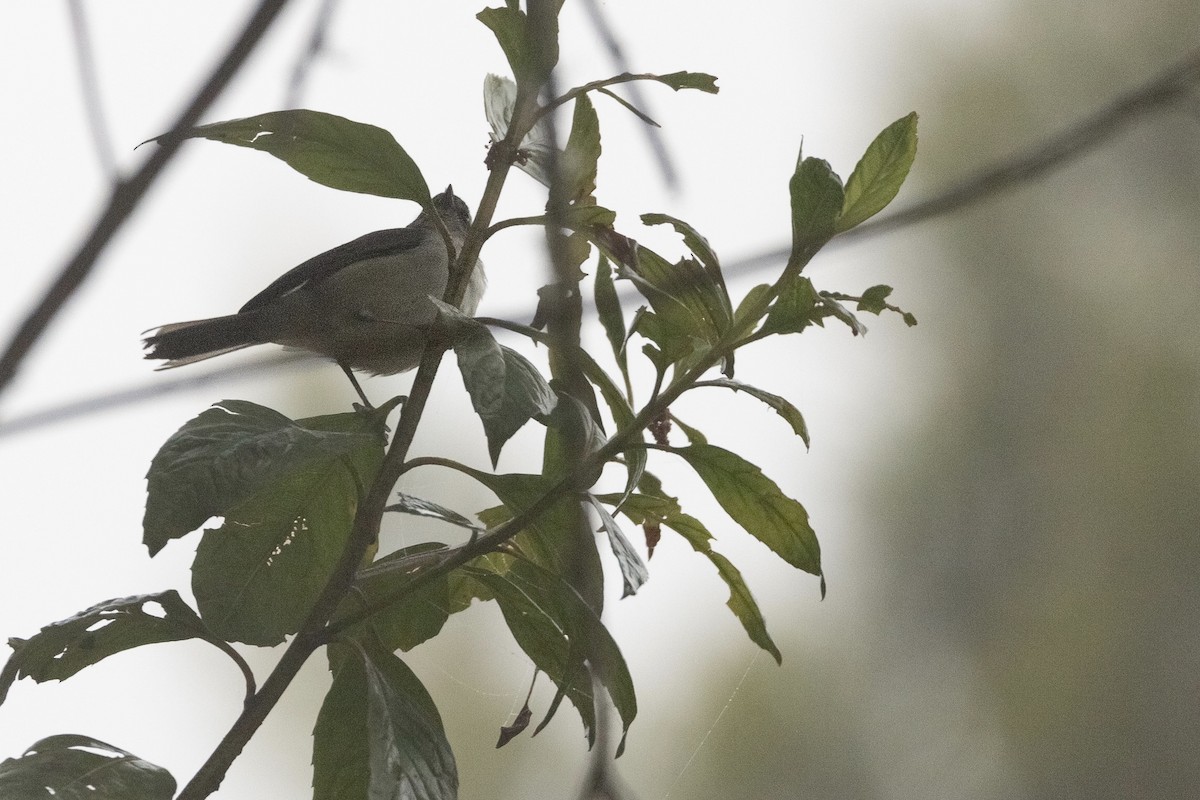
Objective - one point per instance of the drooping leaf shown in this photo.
(633, 569)
(378, 734)
(257, 575)
(659, 509)
(231, 453)
(506, 390)
(781, 405)
(755, 502)
(817, 198)
(63, 648)
(331, 150)
(72, 767)
(417, 506)
(880, 173)
(564, 637)
(838, 311)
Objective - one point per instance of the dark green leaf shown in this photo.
(608, 308)
(694, 435)
(755, 502)
(817, 198)
(404, 624)
(663, 510)
(256, 577)
(782, 407)
(874, 300)
(331, 150)
(559, 539)
(633, 569)
(795, 309)
(880, 173)
(506, 390)
(529, 44)
(573, 435)
(229, 454)
(72, 767)
(63, 648)
(378, 734)
(579, 159)
(564, 637)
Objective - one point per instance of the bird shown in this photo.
(365, 304)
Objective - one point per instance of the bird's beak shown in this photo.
(449, 190)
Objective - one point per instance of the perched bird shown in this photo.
(364, 304)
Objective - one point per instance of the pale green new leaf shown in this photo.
(880, 173)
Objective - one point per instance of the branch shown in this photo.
(89, 86)
(128, 193)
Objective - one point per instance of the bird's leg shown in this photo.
(354, 382)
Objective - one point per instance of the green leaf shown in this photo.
(419, 616)
(73, 767)
(529, 43)
(880, 173)
(256, 577)
(563, 637)
(608, 308)
(817, 198)
(794, 309)
(874, 300)
(689, 80)
(63, 648)
(633, 569)
(582, 153)
(838, 311)
(331, 150)
(781, 405)
(506, 390)
(755, 502)
(230, 453)
(658, 508)
(378, 733)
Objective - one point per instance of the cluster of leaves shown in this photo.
(288, 491)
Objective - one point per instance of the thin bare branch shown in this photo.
(312, 49)
(89, 86)
(127, 194)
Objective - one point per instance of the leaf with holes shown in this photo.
(73, 767)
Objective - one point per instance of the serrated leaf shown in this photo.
(228, 454)
(563, 637)
(63, 648)
(255, 577)
(880, 172)
(817, 197)
(378, 734)
(781, 405)
(72, 767)
(330, 150)
(756, 503)
(633, 569)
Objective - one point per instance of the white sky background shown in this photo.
(223, 222)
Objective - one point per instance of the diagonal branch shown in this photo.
(128, 193)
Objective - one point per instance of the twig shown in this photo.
(653, 135)
(307, 57)
(89, 86)
(128, 193)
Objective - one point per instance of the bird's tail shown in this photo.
(188, 342)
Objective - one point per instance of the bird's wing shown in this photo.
(318, 268)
